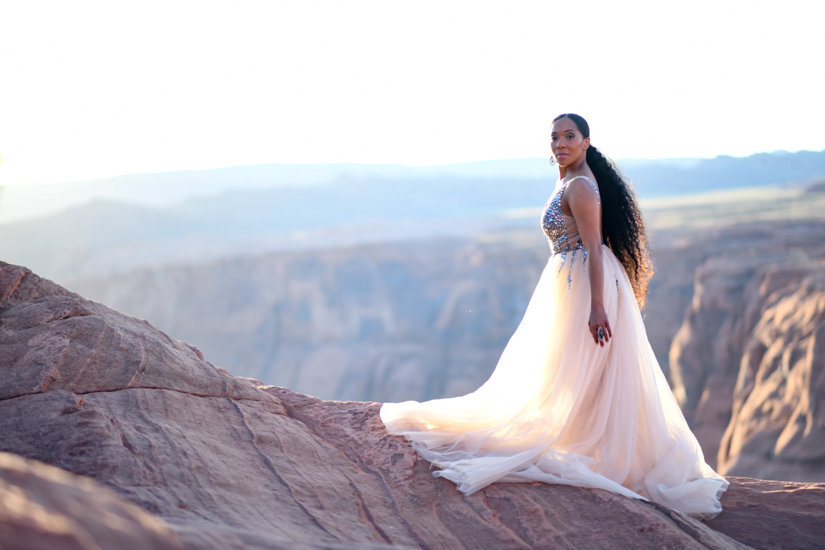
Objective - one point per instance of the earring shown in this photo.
(552, 160)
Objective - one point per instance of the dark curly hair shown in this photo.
(623, 228)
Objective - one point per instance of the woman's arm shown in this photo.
(585, 206)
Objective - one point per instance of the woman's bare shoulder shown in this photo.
(582, 186)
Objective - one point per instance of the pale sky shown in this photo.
(94, 89)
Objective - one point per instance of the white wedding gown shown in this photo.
(561, 409)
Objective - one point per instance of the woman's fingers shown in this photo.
(601, 334)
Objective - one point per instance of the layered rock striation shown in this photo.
(748, 363)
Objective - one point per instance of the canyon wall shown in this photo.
(747, 362)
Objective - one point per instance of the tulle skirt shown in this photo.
(561, 409)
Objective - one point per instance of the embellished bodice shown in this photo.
(552, 221)
(560, 228)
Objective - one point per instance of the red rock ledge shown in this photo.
(217, 461)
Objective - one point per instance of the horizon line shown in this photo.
(95, 179)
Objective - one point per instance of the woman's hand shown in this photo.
(599, 325)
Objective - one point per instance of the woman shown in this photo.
(577, 397)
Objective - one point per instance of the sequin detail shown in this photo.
(552, 222)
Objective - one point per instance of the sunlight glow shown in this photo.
(99, 88)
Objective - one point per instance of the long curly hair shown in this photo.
(623, 228)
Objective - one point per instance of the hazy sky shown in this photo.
(93, 89)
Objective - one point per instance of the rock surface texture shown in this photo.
(748, 362)
(226, 462)
(46, 508)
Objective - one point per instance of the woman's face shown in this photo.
(567, 143)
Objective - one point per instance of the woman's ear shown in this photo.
(587, 142)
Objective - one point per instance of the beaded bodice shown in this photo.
(552, 221)
(560, 228)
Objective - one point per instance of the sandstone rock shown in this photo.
(43, 507)
(738, 396)
(230, 463)
(772, 514)
(777, 424)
